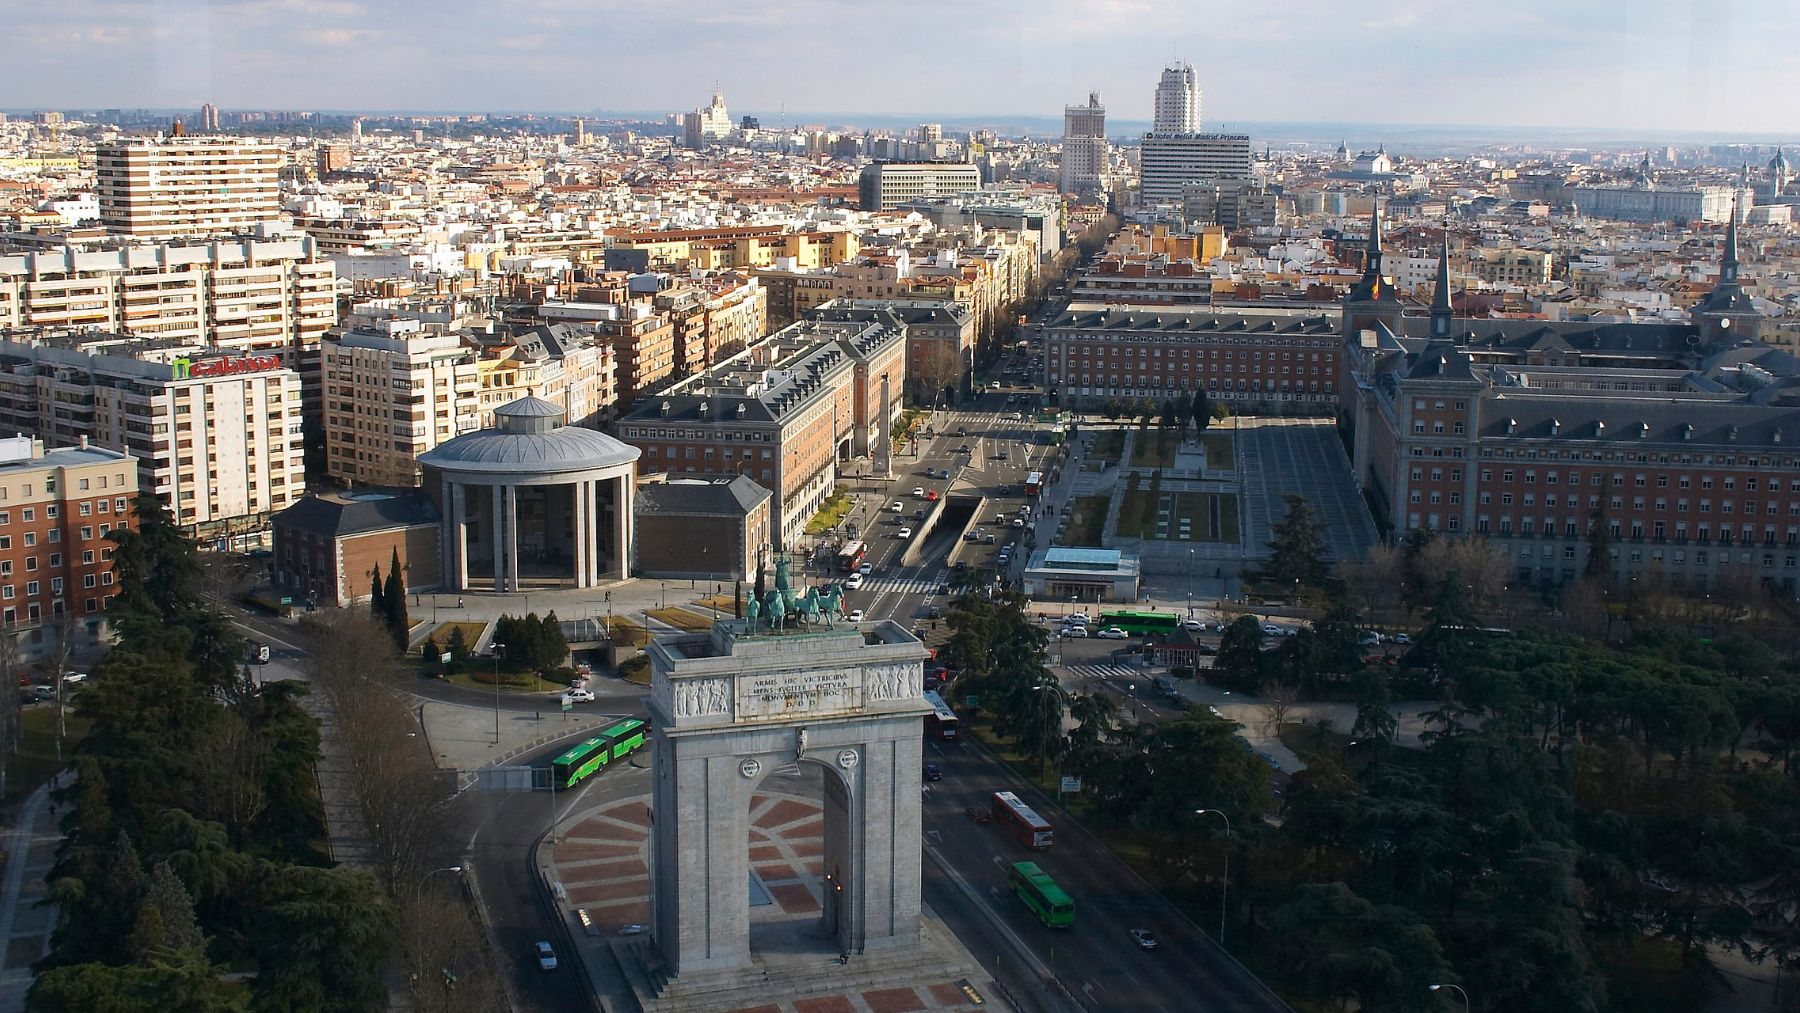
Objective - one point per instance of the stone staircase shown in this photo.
(795, 976)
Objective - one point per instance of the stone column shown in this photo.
(497, 528)
(447, 532)
(512, 538)
(578, 503)
(459, 536)
(622, 524)
(593, 532)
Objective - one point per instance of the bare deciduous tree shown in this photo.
(1278, 699)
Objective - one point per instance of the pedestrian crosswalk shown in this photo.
(906, 585)
(1104, 672)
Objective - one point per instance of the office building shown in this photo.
(333, 158)
(393, 391)
(243, 295)
(1168, 162)
(784, 413)
(940, 341)
(1510, 266)
(707, 124)
(1084, 150)
(56, 509)
(1177, 102)
(186, 186)
(327, 545)
(216, 437)
(884, 186)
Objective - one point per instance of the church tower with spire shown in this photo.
(1727, 313)
(1441, 313)
(1372, 300)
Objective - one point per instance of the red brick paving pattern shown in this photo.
(949, 995)
(824, 1004)
(758, 1009)
(893, 1000)
(786, 810)
(794, 898)
(580, 850)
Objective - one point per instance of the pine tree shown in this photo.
(1297, 550)
(377, 607)
(393, 600)
(431, 652)
(165, 919)
(1200, 409)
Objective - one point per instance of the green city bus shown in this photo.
(581, 761)
(1140, 623)
(1041, 894)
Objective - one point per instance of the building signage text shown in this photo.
(189, 369)
(790, 694)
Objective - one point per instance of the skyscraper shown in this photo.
(1177, 102)
(209, 117)
(1084, 147)
(712, 123)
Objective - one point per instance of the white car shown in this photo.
(898, 508)
(918, 490)
(903, 533)
(855, 616)
(1194, 626)
(865, 570)
(579, 696)
(1113, 633)
(1401, 638)
(1270, 629)
(993, 385)
(546, 957)
(1075, 632)
(1369, 638)
(1018, 522)
(1018, 417)
(1078, 619)
(74, 676)
(855, 581)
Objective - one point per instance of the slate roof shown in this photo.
(359, 511)
(1712, 421)
(734, 497)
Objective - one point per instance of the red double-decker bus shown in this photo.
(1022, 821)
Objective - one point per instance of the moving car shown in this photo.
(1075, 632)
(971, 536)
(855, 616)
(933, 772)
(1018, 522)
(993, 385)
(1078, 618)
(898, 508)
(579, 696)
(1270, 629)
(903, 533)
(866, 569)
(855, 581)
(1144, 939)
(1369, 638)
(1194, 625)
(918, 490)
(546, 957)
(931, 495)
(1113, 633)
(74, 676)
(1006, 490)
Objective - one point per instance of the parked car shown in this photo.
(1144, 939)
(1113, 633)
(1194, 625)
(75, 676)
(1081, 618)
(1270, 629)
(1075, 632)
(1401, 638)
(855, 581)
(1369, 638)
(579, 696)
(546, 956)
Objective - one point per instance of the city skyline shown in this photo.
(1667, 66)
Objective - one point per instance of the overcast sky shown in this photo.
(1679, 65)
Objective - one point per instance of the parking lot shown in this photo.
(1279, 456)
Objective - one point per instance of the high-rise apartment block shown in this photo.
(1084, 147)
(1177, 102)
(56, 509)
(217, 437)
(1171, 161)
(884, 186)
(209, 117)
(243, 295)
(710, 123)
(186, 186)
(393, 391)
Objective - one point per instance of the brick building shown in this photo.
(56, 509)
(327, 545)
(785, 413)
(701, 528)
(1678, 438)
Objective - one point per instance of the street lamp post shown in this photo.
(419, 887)
(494, 650)
(1459, 991)
(1225, 876)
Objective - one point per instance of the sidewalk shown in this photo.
(30, 851)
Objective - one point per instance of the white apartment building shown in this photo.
(242, 295)
(217, 437)
(393, 391)
(187, 186)
(884, 186)
(1170, 161)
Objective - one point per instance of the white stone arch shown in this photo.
(842, 803)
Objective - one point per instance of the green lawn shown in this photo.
(1109, 444)
(1211, 517)
(682, 619)
(1085, 522)
(35, 761)
(1218, 451)
(1155, 448)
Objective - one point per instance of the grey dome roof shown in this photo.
(497, 451)
(529, 407)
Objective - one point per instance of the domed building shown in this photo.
(533, 501)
